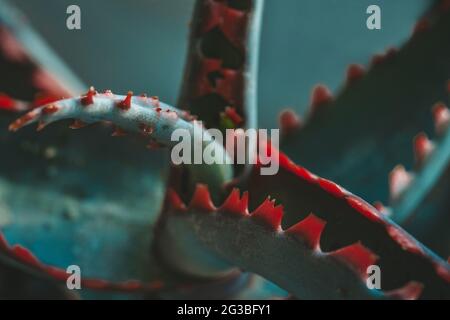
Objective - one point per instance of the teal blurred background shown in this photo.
(141, 44)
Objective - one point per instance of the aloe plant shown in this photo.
(294, 232)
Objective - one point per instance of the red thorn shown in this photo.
(6, 102)
(310, 230)
(380, 58)
(332, 188)
(411, 291)
(399, 181)
(25, 255)
(88, 99)
(230, 21)
(175, 201)
(321, 95)
(381, 208)
(443, 270)
(364, 208)
(145, 129)
(233, 116)
(405, 241)
(22, 121)
(155, 102)
(43, 99)
(50, 109)
(41, 125)
(125, 104)
(289, 121)
(172, 115)
(77, 124)
(423, 147)
(235, 204)
(421, 26)
(441, 115)
(357, 257)
(118, 132)
(355, 72)
(269, 214)
(201, 199)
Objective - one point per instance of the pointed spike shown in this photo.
(77, 124)
(399, 181)
(235, 204)
(411, 291)
(42, 99)
(382, 208)
(269, 214)
(118, 132)
(172, 115)
(201, 199)
(41, 125)
(310, 230)
(125, 104)
(289, 121)
(441, 115)
(356, 256)
(145, 129)
(320, 95)
(6, 102)
(379, 206)
(88, 99)
(381, 58)
(108, 93)
(175, 201)
(443, 270)
(50, 109)
(155, 102)
(355, 72)
(421, 26)
(423, 147)
(22, 121)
